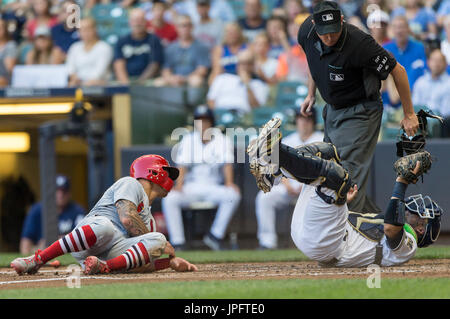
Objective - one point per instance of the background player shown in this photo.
(69, 215)
(322, 226)
(288, 189)
(120, 229)
(206, 174)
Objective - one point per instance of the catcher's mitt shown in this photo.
(405, 166)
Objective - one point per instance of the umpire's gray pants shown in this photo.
(354, 131)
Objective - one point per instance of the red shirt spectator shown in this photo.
(33, 24)
(42, 16)
(167, 32)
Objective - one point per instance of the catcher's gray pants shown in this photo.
(354, 131)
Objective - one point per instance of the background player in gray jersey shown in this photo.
(119, 233)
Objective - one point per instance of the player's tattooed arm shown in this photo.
(130, 218)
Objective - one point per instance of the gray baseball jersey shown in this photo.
(125, 188)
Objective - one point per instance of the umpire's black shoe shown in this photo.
(213, 242)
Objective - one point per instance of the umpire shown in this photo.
(347, 66)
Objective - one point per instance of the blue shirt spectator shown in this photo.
(253, 22)
(67, 220)
(229, 59)
(421, 22)
(69, 215)
(64, 37)
(187, 60)
(433, 88)
(184, 60)
(219, 10)
(412, 57)
(138, 54)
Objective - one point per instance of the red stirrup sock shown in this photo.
(136, 256)
(81, 238)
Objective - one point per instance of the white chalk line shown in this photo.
(140, 277)
(56, 279)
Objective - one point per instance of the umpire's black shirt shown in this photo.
(350, 72)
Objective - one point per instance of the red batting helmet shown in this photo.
(156, 169)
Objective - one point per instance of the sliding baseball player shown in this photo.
(119, 233)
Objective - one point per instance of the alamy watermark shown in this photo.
(73, 19)
(374, 279)
(74, 278)
(225, 144)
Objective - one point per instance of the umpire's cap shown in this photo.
(203, 111)
(327, 17)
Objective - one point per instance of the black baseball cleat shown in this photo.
(260, 150)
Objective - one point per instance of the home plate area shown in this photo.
(50, 277)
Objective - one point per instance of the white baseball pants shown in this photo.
(225, 197)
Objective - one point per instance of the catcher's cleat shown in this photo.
(259, 151)
(323, 150)
(29, 265)
(268, 138)
(264, 181)
(93, 265)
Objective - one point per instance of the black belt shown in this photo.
(378, 99)
(378, 254)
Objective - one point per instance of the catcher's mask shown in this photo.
(427, 209)
(415, 144)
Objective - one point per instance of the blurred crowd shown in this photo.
(239, 56)
(239, 51)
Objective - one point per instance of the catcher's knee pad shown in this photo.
(323, 150)
(337, 179)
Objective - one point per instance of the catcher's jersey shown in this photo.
(323, 232)
(360, 251)
(125, 188)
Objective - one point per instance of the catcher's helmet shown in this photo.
(156, 169)
(426, 208)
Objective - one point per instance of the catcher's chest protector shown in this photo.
(368, 225)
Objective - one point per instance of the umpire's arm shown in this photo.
(410, 122)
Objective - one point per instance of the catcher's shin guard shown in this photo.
(310, 169)
(323, 150)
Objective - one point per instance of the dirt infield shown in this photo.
(49, 277)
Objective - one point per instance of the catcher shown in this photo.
(119, 233)
(322, 226)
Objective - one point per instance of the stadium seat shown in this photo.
(263, 114)
(112, 22)
(238, 7)
(227, 118)
(290, 94)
